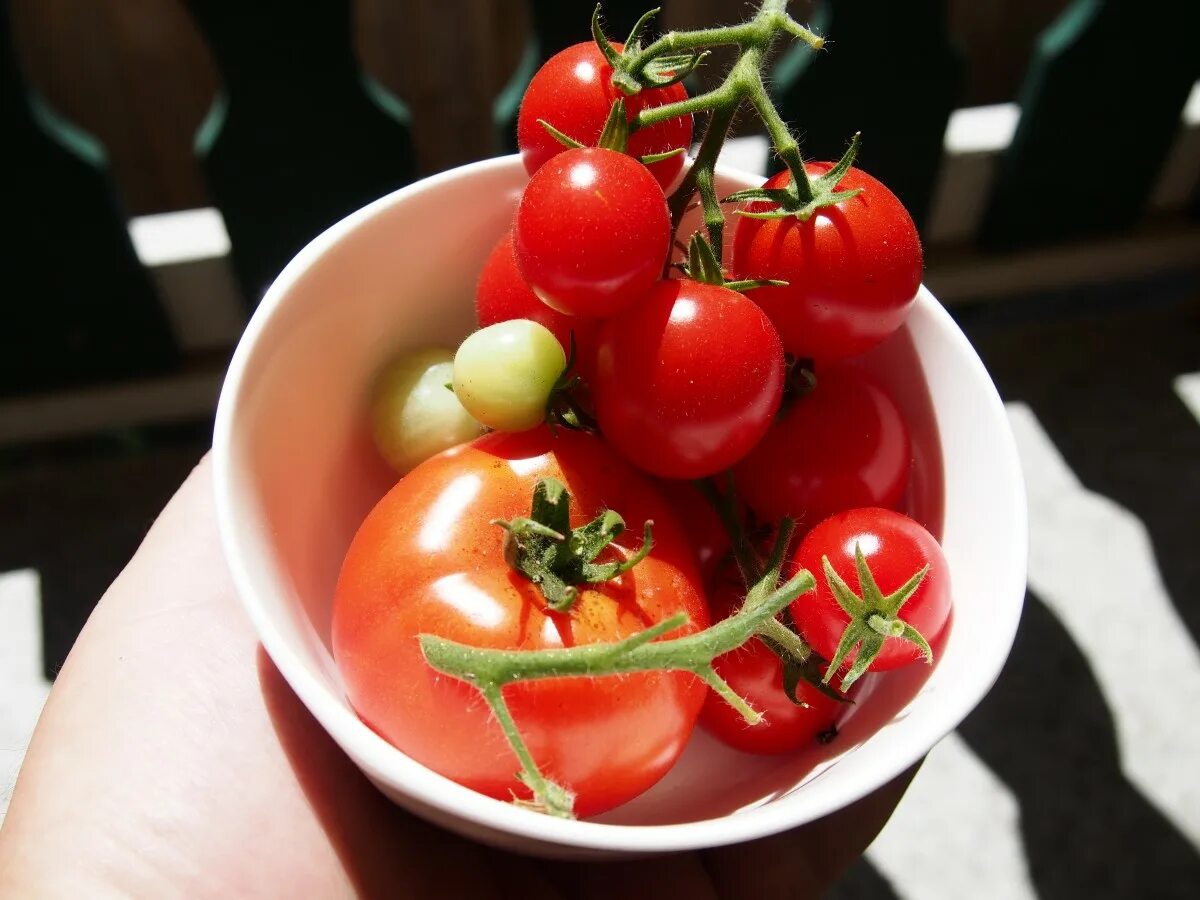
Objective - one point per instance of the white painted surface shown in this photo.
(1188, 389)
(981, 129)
(934, 847)
(975, 137)
(1092, 564)
(176, 237)
(23, 689)
(1176, 182)
(749, 153)
(1191, 109)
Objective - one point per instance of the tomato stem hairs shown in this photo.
(488, 670)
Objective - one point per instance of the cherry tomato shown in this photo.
(504, 374)
(502, 294)
(413, 416)
(687, 380)
(842, 445)
(756, 674)
(852, 269)
(426, 560)
(895, 548)
(573, 91)
(592, 232)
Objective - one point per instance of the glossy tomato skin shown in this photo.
(895, 548)
(687, 380)
(841, 446)
(426, 560)
(852, 269)
(756, 674)
(502, 294)
(591, 232)
(573, 91)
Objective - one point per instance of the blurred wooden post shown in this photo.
(889, 71)
(1100, 109)
(299, 137)
(77, 304)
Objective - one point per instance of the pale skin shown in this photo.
(172, 760)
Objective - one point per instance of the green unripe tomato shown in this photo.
(413, 414)
(503, 374)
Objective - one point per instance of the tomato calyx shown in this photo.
(563, 408)
(614, 136)
(873, 618)
(702, 265)
(804, 196)
(631, 72)
(556, 557)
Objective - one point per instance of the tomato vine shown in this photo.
(562, 561)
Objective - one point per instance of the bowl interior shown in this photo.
(296, 473)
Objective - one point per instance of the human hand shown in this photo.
(173, 760)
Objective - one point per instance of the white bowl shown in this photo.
(296, 473)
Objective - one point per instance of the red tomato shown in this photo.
(573, 91)
(895, 548)
(688, 379)
(701, 524)
(843, 445)
(502, 294)
(426, 560)
(853, 269)
(592, 232)
(756, 674)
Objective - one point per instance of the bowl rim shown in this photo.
(451, 800)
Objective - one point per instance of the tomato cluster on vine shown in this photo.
(614, 377)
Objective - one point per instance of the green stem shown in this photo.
(701, 39)
(551, 798)
(729, 695)
(770, 19)
(719, 97)
(489, 670)
(786, 146)
(786, 638)
(700, 176)
(743, 82)
(726, 506)
(640, 653)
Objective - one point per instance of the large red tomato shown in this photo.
(843, 445)
(688, 379)
(426, 560)
(573, 91)
(852, 269)
(502, 294)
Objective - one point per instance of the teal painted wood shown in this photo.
(558, 24)
(1100, 108)
(891, 71)
(77, 307)
(299, 137)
